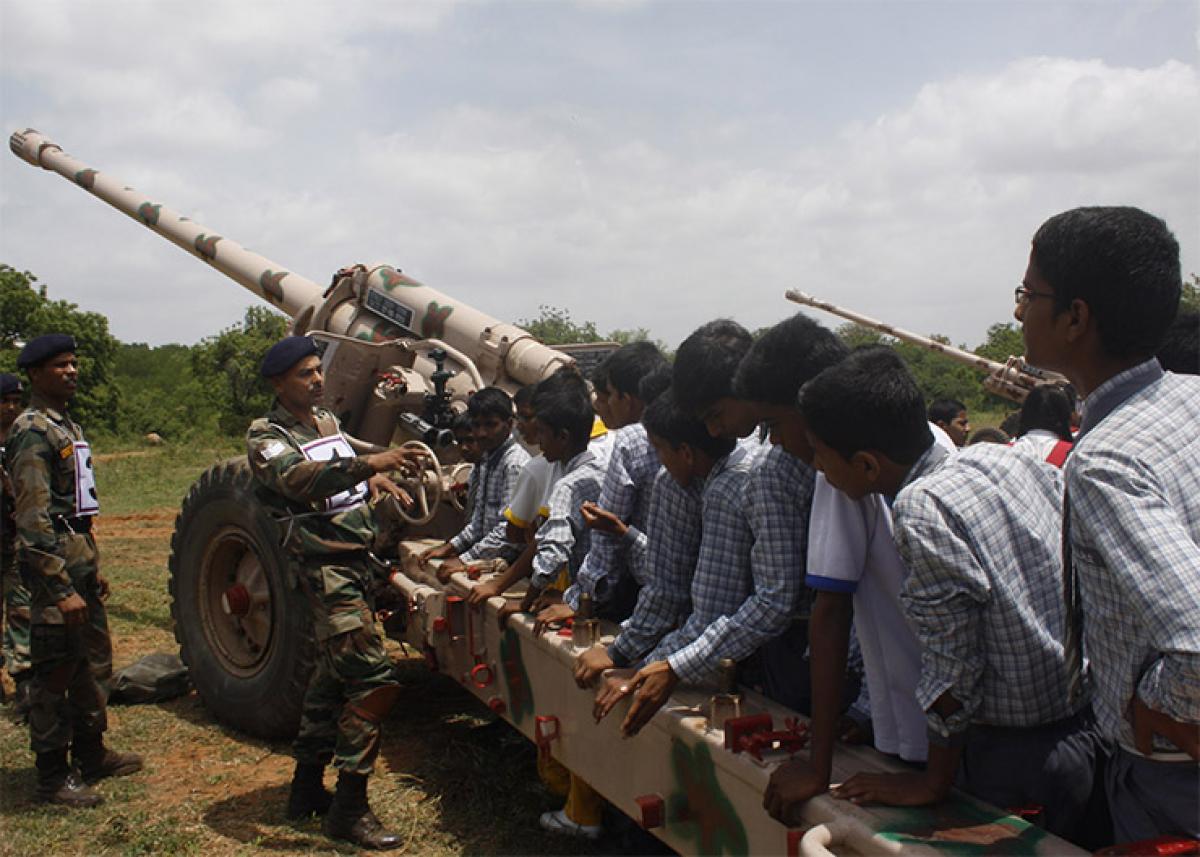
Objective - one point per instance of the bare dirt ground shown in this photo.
(450, 777)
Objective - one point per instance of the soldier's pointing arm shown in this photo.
(280, 466)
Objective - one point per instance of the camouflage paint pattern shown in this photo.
(148, 213)
(699, 808)
(206, 246)
(350, 665)
(40, 462)
(66, 661)
(516, 679)
(13, 594)
(433, 325)
(393, 279)
(962, 828)
(272, 284)
(294, 488)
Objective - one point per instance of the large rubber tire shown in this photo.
(242, 622)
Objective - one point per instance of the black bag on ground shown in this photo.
(154, 678)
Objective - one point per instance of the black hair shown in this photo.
(655, 384)
(629, 364)
(1046, 407)
(945, 410)
(664, 418)
(706, 362)
(490, 402)
(1123, 263)
(599, 375)
(1009, 424)
(784, 359)
(1180, 350)
(461, 422)
(869, 401)
(524, 395)
(562, 403)
(988, 434)
(563, 378)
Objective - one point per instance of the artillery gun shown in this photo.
(694, 776)
(1011, 380)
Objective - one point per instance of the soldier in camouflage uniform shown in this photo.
(50, 466)
(13, 594)
(316, 483)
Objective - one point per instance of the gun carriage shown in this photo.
(400, 358)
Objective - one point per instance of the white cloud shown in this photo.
(301, 131)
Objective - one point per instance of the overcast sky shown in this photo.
(641, 164)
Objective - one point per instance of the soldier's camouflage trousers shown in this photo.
(64, 696)
(353, 684)
(16, 620)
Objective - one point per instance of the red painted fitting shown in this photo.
(235, 600)
(497, 705)
(793, 842)
(481, 675)
(652, 810)
(440, 623)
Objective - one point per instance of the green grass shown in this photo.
(450, 777)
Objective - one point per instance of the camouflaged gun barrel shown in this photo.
(270, 281)
(380, 304)
(1012, 379)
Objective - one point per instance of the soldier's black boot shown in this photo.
(58, 782)
(308, 795)
(95, 761)
(350, 817)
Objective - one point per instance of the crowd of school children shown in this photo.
(1017, 618)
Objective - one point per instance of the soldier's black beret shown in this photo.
(285, 353)
(40, 349)
(9, 384)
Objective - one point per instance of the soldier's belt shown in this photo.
(79, 526)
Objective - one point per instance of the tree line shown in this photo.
(212, 388)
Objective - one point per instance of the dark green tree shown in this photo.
(554, 326)
(160, 393)
(226, 367)
(27, 311)
(1190, 298)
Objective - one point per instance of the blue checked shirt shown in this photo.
(778, 498)
(1134, 483)
(671, 544)
(626, 493)
(981, 533)
(563, 539)
(722, 580)
(491, 484)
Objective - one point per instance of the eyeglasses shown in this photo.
(1023, 295)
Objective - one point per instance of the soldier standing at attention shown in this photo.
(13, 594)
(54, 490)
(314, 482)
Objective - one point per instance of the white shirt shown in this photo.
(529, 499)
(850, 550)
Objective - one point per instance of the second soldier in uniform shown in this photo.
(50, 465)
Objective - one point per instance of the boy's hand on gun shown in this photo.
(596, 518)
(448, 567)
(550, 615)
(481, 593)
(442, 551)
(615, 686)
(652, 688)
(590, 664)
